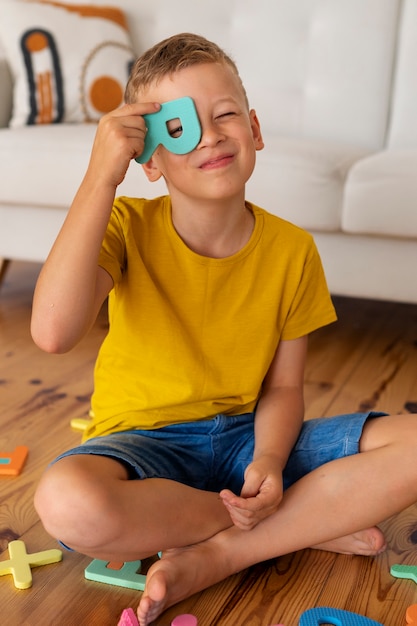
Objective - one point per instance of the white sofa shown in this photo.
(334, 83)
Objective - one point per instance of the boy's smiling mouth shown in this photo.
(217, 162)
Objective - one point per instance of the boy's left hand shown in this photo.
(260, 496)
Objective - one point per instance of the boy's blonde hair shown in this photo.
(171, 55)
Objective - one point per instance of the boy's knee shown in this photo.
(73, 507)
(398, 430)
(55, 501)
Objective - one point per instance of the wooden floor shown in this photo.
(368, 360)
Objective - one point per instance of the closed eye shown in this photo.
(227, 114)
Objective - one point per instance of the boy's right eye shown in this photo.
(174, 127)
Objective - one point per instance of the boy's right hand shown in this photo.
(260, 496)
(120, 137)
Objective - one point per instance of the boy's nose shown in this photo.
(210, 135)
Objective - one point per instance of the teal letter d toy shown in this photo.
(182, 109)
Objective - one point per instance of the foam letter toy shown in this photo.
(20, 563)
(120, 574)
(182, 109)
(335, 617)
(411, 615)
(404, 571)
(185, 620)
(128, 618)
(77, 423)
(11, 463)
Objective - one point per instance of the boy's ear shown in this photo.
(256, 130)
(153, 173)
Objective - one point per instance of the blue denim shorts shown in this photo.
(213, 454)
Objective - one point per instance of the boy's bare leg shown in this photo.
(87, 502)
(339, 499)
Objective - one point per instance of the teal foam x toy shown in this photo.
(404, 571)
(158, 133)
(335, 617)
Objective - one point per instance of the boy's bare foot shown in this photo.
(179, 574)
(369, 542)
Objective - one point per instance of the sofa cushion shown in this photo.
(68, 64)
(381, 195)
(44, 165)
(304, 179)
(319, 69)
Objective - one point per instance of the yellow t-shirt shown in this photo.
(190, 336)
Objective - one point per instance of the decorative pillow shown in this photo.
(69, 62)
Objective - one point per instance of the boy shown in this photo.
(198, 446)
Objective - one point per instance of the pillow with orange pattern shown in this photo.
(69, 62)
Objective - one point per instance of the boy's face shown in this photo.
(223, 160)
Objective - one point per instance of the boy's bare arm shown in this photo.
(278, 421)
(72, 287)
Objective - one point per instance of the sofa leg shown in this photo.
(4, 264)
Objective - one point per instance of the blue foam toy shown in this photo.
(334, 617)
(158, 133)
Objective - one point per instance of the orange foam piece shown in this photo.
(117, 565)
(11, 463)
(411, 615)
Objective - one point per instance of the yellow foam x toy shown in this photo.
(20, 563)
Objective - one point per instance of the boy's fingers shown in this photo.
(251, 486)
(246, 505)
(138, 108)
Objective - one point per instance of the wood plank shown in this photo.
(369, 363)
(385, 377)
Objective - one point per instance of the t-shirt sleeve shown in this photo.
(312, 306)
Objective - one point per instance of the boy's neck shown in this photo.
(216, 230)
